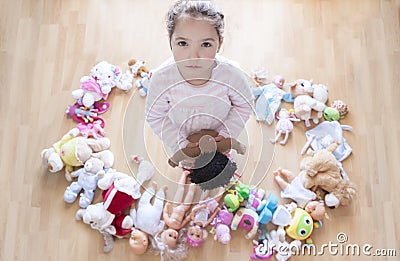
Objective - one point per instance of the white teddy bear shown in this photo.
(87, 180)
(102, 78)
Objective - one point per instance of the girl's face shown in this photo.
(194, 44)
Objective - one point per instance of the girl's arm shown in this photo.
(157, 109)
(241, 99)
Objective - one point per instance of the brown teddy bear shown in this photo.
(322, 171)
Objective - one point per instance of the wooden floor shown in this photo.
(353, 47)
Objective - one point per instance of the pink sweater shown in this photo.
(175, 109)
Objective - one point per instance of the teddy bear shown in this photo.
(87, 180)
(322, 170)
(97, 86)
(73, 151)
(309, 100)
(120, 191)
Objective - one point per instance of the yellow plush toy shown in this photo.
(322, 171)
(73, 151)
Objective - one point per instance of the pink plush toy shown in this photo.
(284, 125)
(97, 86)
(221, 226)
(88, 115)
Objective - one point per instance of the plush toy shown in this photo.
(87, 180)
(97, 86)
(269, 99)
(301, 225)
(255, 200)
(269, 206)
(73, 151)
(236, 195)
(120, 191)
(175, 218)
(284, 125)
(147, 218)
(336, 111)
(100, 220)
(282, 248)
(139, 70)
(260, 77)
(246, 219)
(91, 130)
(88, 115)
(322, 171)
(309, 100)
(201, 215)
(341, 107)
(222, 224)
(323, 135)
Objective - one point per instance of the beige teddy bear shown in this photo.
(73, 151)
(322, 171)
(309, 100)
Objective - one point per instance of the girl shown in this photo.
(196, 89)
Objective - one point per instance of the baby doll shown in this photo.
(176, 219)
(203, 141)
(202, 214)
(146, 218)
(269, 100)
(292, 187)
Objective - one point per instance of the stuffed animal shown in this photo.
(147, 216)
(73, 151)
(341, 107)
(282, 248)
(141, 73)
(120, 191)
(284, 125)
(97, 86)
(222, 224)
(309, 100)
(87, 180)
(88, 115)
(322, 171)
(269, 99)
(91, 130)
(270, 204)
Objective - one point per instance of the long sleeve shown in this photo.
(157, 110)
(241, 99)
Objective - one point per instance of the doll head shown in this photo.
(212, 170)
(169, 237)
(138, 241)
(195, 236)
(316, 209)
(279, 81)
(169, 248)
